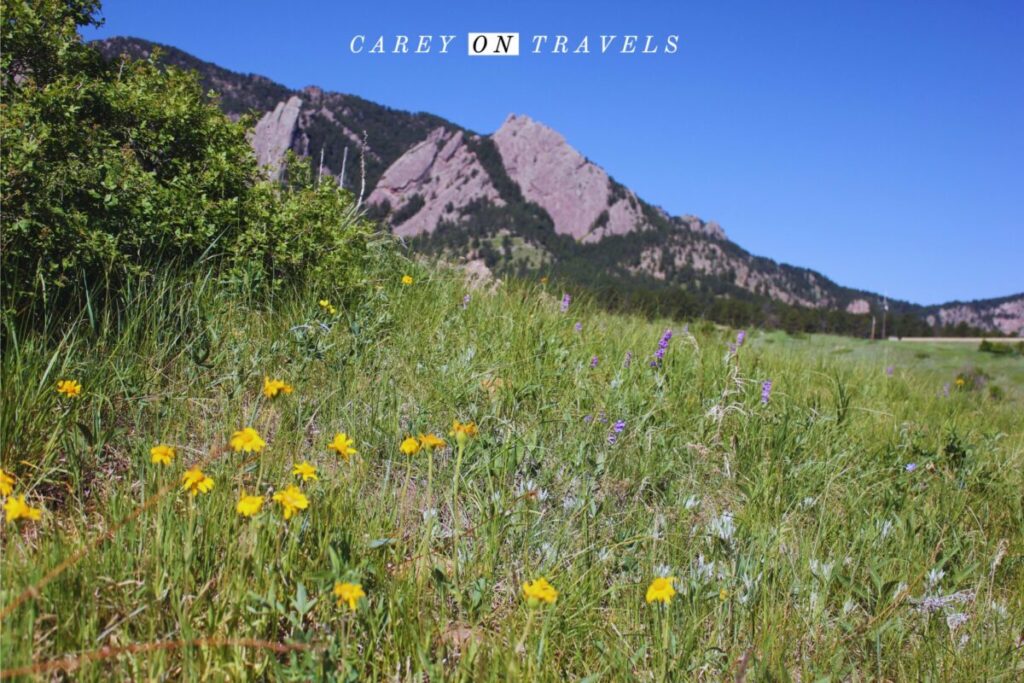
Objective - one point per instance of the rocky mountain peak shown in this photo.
(275, 132)
(578, 195)
(432, 182)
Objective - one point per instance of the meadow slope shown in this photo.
(845, 523)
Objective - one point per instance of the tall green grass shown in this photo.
(802, 546)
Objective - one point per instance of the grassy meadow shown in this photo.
(845, 524)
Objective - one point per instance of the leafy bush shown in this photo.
(113, 169)
(1000, 348)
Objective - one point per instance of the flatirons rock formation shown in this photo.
(578, 195)
(275, 133)
(522, 198)
(433, 181)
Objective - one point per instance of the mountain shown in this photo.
(522, 201)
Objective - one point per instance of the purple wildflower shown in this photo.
(945, 389)
(565, 302)
(629, 359)
(911, 466)
(662, 347)
(740, 337)
(593, 362)
(602, 418)
(619, 426)
(766, 391)
(612, 439)
(465, 301)
(732, 349)
(588, 418)
(578, 327)
(889, 370)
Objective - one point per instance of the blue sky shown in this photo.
(880, 143)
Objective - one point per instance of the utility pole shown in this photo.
(885, 315)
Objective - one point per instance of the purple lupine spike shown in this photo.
(732, 349)
(766, 391)
(593, 362)
(659, 355)
(889, 370)
(465, 301)
(578, 327)
(741, 336)
(629, 359)
(566, 300)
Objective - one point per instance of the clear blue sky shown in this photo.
(881, 143)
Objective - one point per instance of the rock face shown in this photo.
(441, 175)
(858, 306)
(709, 228)
(578, 195)
(1005, 315)
(275, 133)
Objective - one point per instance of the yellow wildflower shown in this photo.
(407, 280)
(324, 304)
(539, 591)
(342, 445)
(305, 470)
(249, 505)
(69, 387)
(431, 441)
(6, 483)
(960, 381)
(350, 593)
(195, 482)
(273, 387)
(292, 500)
(463, 431)
(16, 508)
(410, 446)
(661, 590)
(162, 454)
(723, 595)
(247, 440)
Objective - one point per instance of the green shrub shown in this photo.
(112, 170)
(999, 348)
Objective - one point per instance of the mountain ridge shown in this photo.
(522, 199)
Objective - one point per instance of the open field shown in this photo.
(935, 362)
(842, 523)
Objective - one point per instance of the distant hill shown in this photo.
(523, 201)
